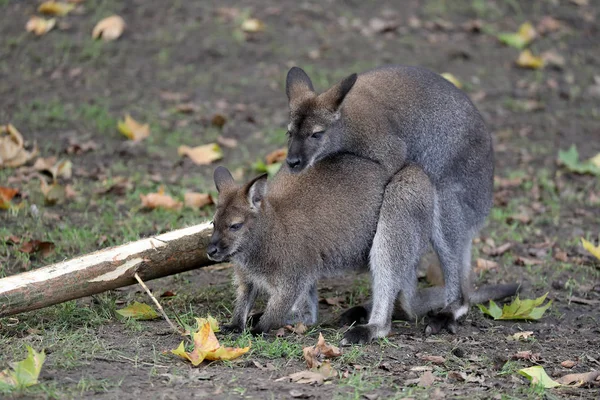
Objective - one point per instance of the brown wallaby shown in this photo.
(285, 234)
(397, 116)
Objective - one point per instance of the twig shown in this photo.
(141, 282)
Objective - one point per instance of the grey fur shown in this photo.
(397, 116)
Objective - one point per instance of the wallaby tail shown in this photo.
(494, 292)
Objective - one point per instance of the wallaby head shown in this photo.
(315, 130)
(238, 208)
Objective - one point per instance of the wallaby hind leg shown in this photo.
(402, 236)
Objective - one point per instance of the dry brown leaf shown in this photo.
(579, 379)
(522, 217)
(37, 246)
(307, 377)
(60, 169)
(187, 108)
(276, 156)
(218, 120)
(433, 359)
(253, 25)
(522, 335)
(568, 364)
(202, 155)
(527, 355)
(314, 355)
(6, 195)
(160, 200)
(333, 301)
(526, 261)
(12, 151)
(548, 24)
(484, 265)
(528, 60)
(298, 329)
(266, 367)
(55, 8)
(230, 143)
(132, 129)
(561, 256)
(79, 148)
(110, 28)
(426, 379)
(53, 193)
(197, 200)
(40, 26)
(505, 183)
(464, 377)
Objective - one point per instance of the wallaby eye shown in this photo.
(235, 227)
(317, 135)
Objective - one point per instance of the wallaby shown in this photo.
(396, 116)
(285, 234)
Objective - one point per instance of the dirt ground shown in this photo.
(180, 63)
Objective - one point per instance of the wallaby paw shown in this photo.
(360, 334)
(439, 321)
(354, 315)
(231, 328)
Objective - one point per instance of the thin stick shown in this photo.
(141, 282)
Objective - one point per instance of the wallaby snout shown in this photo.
(293, 162)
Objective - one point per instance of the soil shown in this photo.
(197, 51)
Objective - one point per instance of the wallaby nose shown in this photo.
(212, 250)
(293, 162)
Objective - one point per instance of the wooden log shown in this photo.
(155, 257)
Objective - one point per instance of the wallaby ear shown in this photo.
(256, 190)
(298, 85)
(222, 178)
(332, 99)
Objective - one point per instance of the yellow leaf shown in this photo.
(528, 60)
(12, 151)
(132, 129)
(109, 28)
(522, 38)
(253, 25)
(40, 26)
(197, 200)
(139, 311)
(207, 347)
(452, 79)
(55, 8)
(527, 32)
(596, 160)
(214, 324)
(594, 250)
(24, 373)
(202, 155)
(159, 200)
(538, 376)
(54, 193)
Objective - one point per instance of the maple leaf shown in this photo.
(518, 309)
(159, 200)
(202, 155)
(24, 373)
(12, 151)
(110, 28)
(6, 195)
(207, 347)
(314, 355)
(55, 8)
(132, 129)
(40, 26)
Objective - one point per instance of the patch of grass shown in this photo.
(266, 347)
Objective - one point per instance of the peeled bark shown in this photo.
(155, 257)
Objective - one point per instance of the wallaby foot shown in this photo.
(446, 318)
(254, 318)
(355, 315)
(232, 328)
(361, 334)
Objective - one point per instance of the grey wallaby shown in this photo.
(285, 234)
(398, 116)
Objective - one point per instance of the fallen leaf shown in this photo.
(528, 261)
(24, 373)
(207, 347)
(276, 156)
(527, 355)
(505, 183)
(568, 363)
(484, 265)
(54, 193)
(119, 185)
(570, 160)
(594, 250)
(110, 28)
(333, 301)
(60, 169)
(37, 246)
(595, 160)
(218, 120)
(426, 379)
(518, 309)
(464, 377)
(12, 151)
(214, 324)
(139, 311)
(548, 24)
(132, 129)
(528, 60)
(197, 200)
(314, 355)
(160, 200)
(187, 108)
(55, 8)
(538, 376)
(253, 25)
(227, 142)
(298, 329)
(306, 377)
(553, 59)
(451, 78)
(561, 256)
(522, 335)
(40, 26)
(168, 293)
(202, 155)
(433, 359)
(80, 148)
(266, 367)
(579, 379)
(6, 195)
(522, 38)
